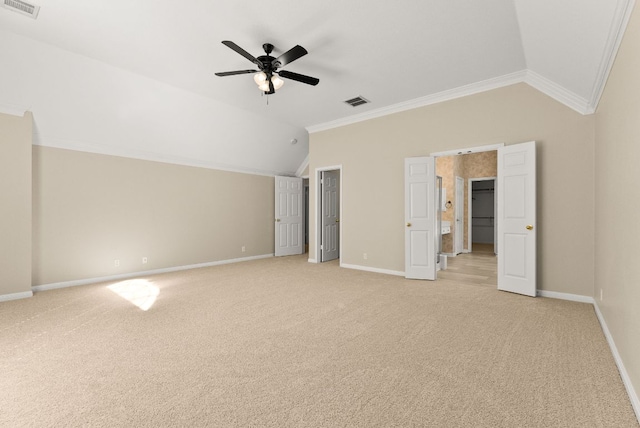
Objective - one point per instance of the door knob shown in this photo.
(337, 220)
(277, 219)
(408, 224)
(529, 227)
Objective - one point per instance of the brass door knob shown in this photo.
(408, 224)
(529, 227)
(277, 219)
(337, 220)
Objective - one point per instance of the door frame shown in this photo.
(318, 210)
(470, 204)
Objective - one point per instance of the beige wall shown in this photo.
(15, 205)
(90, 210)
(617, 239)
(372, 156)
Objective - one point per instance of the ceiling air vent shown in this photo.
(357, 101)
(22, 7)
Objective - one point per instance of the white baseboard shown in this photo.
(312, 261)
(372, 269)
(15, 296)
(565, 296)
(64, 284)
(626, 380)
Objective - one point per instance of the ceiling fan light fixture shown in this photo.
(260, 78)
(277, 82)
(264, 86)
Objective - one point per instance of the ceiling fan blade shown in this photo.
(233, 73)
(289, 56)
(299, 77)
(242, 52)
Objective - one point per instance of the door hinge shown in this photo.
(321, 247)
(322, 181)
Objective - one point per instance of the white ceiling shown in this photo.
(135, 78)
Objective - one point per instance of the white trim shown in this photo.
(478, 149)
(303, 165)
(450, 94)
(372, 269)
(621, 18)
(110, 278)
(557, 92)
(13, 109)
(565, 296)
(626, 380)
(310, 260)
(15, 296)
(318, 207)
(58, 143)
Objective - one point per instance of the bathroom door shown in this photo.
(459, 214)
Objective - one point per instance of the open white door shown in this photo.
(516, 188)
(420, 218)
(330, 245)
(289, 222)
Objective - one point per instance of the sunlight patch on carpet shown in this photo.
(140, 292)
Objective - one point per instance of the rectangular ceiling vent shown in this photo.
(22, 7)
(357, 101)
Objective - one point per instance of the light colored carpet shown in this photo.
(284, 343)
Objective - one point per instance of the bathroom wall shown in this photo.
(474, 165)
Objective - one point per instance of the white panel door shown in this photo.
(289, 222)
(330, 185)
(516, 189)
(420, 218)
(459, 214)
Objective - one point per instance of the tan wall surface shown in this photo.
(15, 203)
(372, 155)
(618, 202)
(90, 210)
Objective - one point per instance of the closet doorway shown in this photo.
(482, 203)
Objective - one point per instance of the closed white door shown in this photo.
(288, 216)
(516, 189)
(459, 215)
(330, 185)
(420, 218)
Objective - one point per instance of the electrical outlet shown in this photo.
(364, 256)
(243, 249)
(116, 263)
(144, 260)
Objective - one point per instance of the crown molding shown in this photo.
(451, 94)
(557, 92)
(13, 109)
(302, 166)
(616, 32)
(59, 143)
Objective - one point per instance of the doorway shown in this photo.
(482, 202)
(328, 213)
(460, 169)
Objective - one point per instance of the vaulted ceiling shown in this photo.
(136, 78)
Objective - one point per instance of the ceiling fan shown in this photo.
(268, 75)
